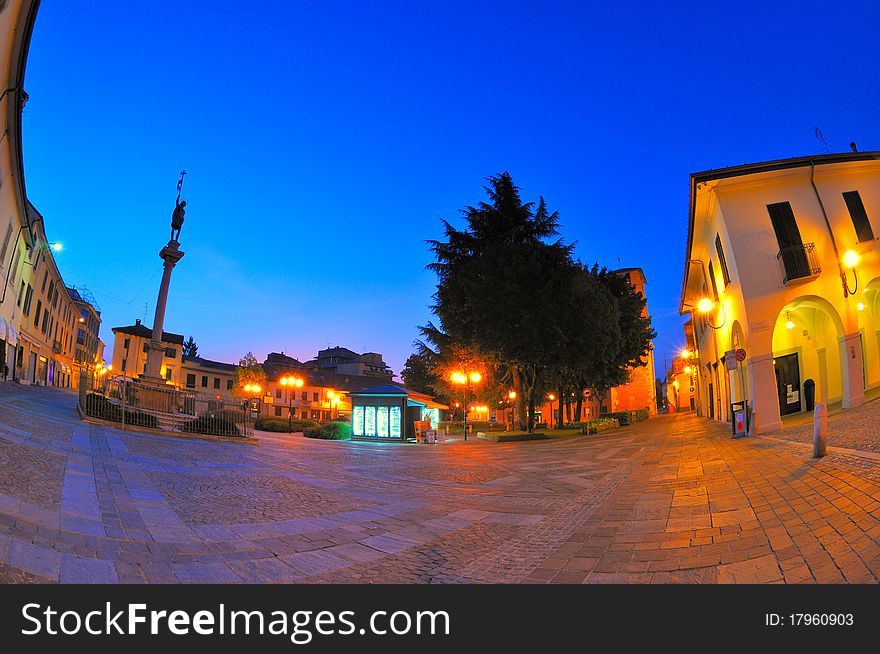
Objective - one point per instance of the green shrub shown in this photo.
(212, 424)
(331, 431)
(641, 414)
(342, 419)
(276, 424)
(598, 425)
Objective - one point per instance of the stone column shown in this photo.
(851, 370)
(170, 254)
(762, 390)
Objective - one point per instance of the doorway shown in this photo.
(788, 384)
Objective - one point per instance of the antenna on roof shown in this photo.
(146, 306)
(820, 135)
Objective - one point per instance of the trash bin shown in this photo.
(739, 412)
(810, 394)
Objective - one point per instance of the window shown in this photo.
(859, 216)
(228, 384)
(45, 279)
(305, 414)
(315, 397)
(5, 244)
(28, 298)
(278, 411)
(304, 396)
(722, 261)
(788, 236)
(20, 294)
(145, 345)
(124, 364)
(277, 392)
(171, 352)
(126, 343)
(191, 380)
(37, 314)
(169, 371)
(216, 382)
(204, 381)
(713, 282)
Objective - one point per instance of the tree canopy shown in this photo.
(513, 301)
(249, 372)
(190, 348)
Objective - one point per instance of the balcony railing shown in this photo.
(798, 262)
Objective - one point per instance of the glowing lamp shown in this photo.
(512, 395)
(57, 246)
(861, 306)
(705, 305)
(688, 370)
(685, 353)
(850, 259)
(476, 377)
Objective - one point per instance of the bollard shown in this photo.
(820, 430)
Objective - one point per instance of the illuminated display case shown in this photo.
(389, 413)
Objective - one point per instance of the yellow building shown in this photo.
(783, 264)
(17, 235)
(57, 327)
(130, 352)
(209, 377)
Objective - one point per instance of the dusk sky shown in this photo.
(325, 141)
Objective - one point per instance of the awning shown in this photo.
(11, 334)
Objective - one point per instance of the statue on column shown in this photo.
(178, 216)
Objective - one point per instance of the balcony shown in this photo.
(799, 262)
(57, 347)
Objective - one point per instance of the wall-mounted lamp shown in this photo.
(705, 306)
(850, 260)
(789, 323)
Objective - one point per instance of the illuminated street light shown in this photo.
(685, 353)
(850, 260)
(466, 380)
(293, 382)
(705, 306)
(552, 397)
(57, 246)
(861, 306)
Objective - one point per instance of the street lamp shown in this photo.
(551, 397)
(850, 260)
(466, 380)
(293, 382)
(705, 306)
(512, 397)
(332, 400)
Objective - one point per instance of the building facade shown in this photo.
(209, 377)
(57, 328)
(17, 235)
(130, 353)
(783, 265)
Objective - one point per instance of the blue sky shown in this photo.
(324, 142)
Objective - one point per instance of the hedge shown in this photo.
(213, 424)
(276, 424)
(331, 431)
(628, 417)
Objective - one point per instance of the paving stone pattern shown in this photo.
(671, 500)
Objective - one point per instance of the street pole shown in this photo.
(289, 412)
(464, 409)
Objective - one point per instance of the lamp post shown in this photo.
(466, 380)
(551, 397)
(512, 397)
(292, 382)
(254, 391)
(332, 400)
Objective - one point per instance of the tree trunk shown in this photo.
(559, 397)
(579, 405)
(531, 425)
(519, 402)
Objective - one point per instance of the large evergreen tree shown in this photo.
(190, 348)
(512, 301)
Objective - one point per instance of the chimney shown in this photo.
(852, 144)
(137, 321)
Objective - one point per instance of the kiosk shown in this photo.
(390, 413)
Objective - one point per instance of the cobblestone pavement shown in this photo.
(670, 500)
